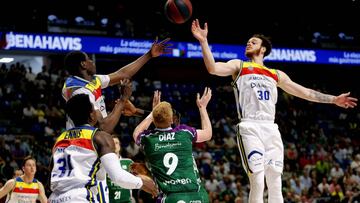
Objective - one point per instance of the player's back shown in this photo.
(75, 159)
(169, 155)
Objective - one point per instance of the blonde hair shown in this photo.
(163, 115)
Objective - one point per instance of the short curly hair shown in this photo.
(265, 43)
(163, 115)
(73, 61)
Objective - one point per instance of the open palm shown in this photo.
(159, 48)
(343, 100)
(198, 33)
(205, 98)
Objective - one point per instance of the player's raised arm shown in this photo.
(149, 119)
(230, 68)
(157, 49)
(205, 133)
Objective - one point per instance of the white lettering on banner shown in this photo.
(348, 58)
(43, 42)
(344, 60)
(352, 55)
(292, 55)
(127, 47)
(222, 55)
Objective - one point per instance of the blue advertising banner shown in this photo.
(105, 45)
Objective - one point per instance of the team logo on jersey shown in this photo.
(20, 188)
(251, 68)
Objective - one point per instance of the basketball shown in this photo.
(178, 11)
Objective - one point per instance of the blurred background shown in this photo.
(322, 155)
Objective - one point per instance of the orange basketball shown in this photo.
(178, 11)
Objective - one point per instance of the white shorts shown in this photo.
(260, 146)
(95, 194)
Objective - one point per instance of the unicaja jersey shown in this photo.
(75, 85)
(255, 91)
(24, 192)
(76, 161)
(118, 194)
(170, 159)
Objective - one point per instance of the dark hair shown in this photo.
(265, 43)
(73, 61)
(26, 159)
(79, 108)
(176, 114)
(115, 136)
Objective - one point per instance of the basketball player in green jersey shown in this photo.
(168, 152)
(118, 194)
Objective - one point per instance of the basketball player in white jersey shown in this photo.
(24, 188)
(255, 88)
(84, 80)
(78, 153)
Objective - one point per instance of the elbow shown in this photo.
(208, 135)
(106, 128)
(211, 70)
(135, 135)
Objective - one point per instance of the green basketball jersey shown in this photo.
(170, 159)
(118, 194)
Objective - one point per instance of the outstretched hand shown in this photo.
(125, 89)
(198, 33)
(205, 98)
(149, 185)
(156, 98)
(160, 48)
(343, 100)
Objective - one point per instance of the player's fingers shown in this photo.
(352, 104)
(352, 99)
(205, 91)
(156, 40)
(165, 40)
(197, 23)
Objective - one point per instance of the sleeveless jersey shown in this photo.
(255, 91)
(118, 194)
(76, 85)
(170, 159)
(76, 162)
(24, 192)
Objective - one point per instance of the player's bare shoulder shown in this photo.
(236, 65)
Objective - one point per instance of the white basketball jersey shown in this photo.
(24, 192)
(256, 93)
(75, 85)
(76, 162)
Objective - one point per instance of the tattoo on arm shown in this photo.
(320, 97)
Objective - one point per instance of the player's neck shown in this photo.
(258, 59)
(27, 178)
(87, 77)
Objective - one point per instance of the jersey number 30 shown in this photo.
(263, 95)
(170, 161)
